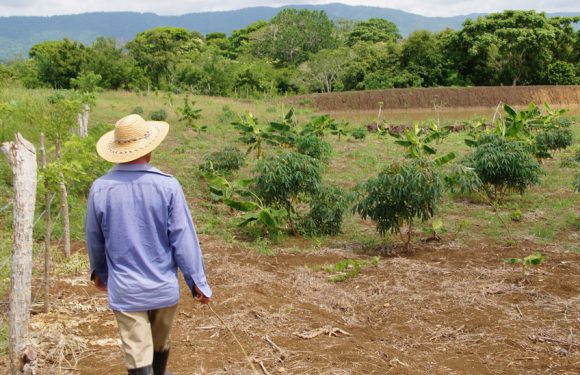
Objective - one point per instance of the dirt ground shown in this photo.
(450, 308)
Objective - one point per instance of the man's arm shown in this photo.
(186, 250)
(95, 246)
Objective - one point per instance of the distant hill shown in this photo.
(18, 34)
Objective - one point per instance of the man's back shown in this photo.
(131, 213)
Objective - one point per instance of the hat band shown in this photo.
(134, 139)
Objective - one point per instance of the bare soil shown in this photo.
(448, 308)
(441, 97)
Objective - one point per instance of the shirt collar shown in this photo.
(144, 167)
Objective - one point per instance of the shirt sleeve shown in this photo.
(185, 245)
(95, 242)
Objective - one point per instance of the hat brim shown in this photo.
(122, 152)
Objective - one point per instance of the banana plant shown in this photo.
(255, 212)
(318, 126)
(251, 134)
(534, 259)
(283, 132)
(416, 142)
(518, 125)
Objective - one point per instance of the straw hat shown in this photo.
(132, 138)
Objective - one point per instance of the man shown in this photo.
(139, 231)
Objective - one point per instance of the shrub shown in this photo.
(227, 160)
(314, 147)
(327, 207)
(138, 111)
(283, 177)
(359, 133)
(503, 166)
(399, 195)
(552, 140)
(159, 115)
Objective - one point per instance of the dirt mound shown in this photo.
(441, 97)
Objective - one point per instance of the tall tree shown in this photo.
(374, 30)
(59, 61)
(424, 54)
(509, 48)
(292, 35)
(159, 51)
(325, 68)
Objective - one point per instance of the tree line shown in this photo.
(303, 51)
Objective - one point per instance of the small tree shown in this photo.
(189, 114)
(281, 179)
(399, 195)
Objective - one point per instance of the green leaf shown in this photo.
(535, 259)
(437, 224)
(444, 159)
(510, 110)
(512, 260)
(245, 206)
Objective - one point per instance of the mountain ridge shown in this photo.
(19, 33)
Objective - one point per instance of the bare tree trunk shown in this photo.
(64, 207)
(48, 228)
(83, 119)
(22, 159)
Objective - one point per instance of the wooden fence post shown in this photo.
(47, 203)
(21, 156)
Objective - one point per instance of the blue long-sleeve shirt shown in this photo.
(138, 231)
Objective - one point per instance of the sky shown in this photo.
(430, 8)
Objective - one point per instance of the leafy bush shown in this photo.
(327, 207)
(227, 116)
(399, 195)
(552, 140)
(503, 166)
(359, 133)
(138, 111)
(314, 147)
(227, 160)
(282, 178)
(159, 115)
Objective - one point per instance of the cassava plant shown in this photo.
(283, 178)
(503, 166)
(327, 208)
(399, 195)
(225, 161)
(314, 147)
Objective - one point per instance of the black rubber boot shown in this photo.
(147, 370)
(160, 363)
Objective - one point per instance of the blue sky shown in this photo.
(424, 7)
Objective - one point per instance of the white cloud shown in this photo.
(428, 8)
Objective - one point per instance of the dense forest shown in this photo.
(302, 51)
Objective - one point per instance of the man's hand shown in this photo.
(200, 297)
(99, 283)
